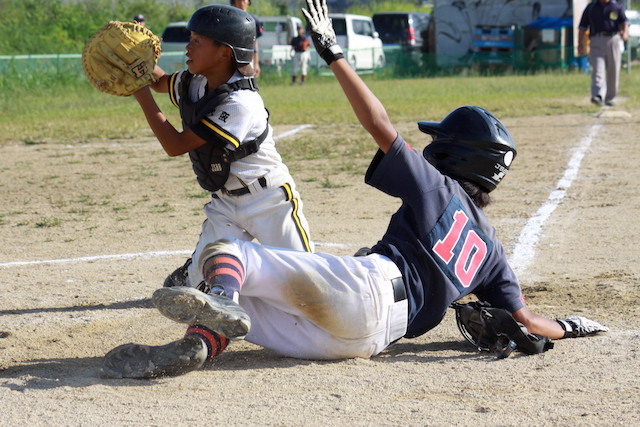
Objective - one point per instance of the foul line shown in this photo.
(524, 250)
(153, 254)
(520, 259)
(291, 132)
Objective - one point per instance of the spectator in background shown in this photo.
(607, 25)
(244, 5)
(139, 19)
(301, 55)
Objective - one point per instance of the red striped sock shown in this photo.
(215, 342)
(224, 271)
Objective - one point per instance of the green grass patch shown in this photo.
(77, 113)
(48, 222)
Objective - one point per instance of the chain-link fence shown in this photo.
(395, 62)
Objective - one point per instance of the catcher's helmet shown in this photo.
(230, 26)
(470, 144)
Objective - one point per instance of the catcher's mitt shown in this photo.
(119, 59)
(495, 330)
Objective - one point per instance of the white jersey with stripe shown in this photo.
(240, 118)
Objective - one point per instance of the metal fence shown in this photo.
(397, 62)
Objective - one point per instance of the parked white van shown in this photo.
(275, 42)
(359, 40)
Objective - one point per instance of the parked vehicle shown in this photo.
(274, 44)
(355, 33)
(276, 37)
(173, 42)
(175, 37)
(357, 36)
(634, 32)
(406, 29)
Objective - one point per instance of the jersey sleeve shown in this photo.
(259, 27)
(174, 82)
(502, 289)
(584, 19)
(402, 171)
(622, 18)
(230, 123)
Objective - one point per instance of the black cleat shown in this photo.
(144, 361)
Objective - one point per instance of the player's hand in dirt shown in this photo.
(322, 33)
(578, 326)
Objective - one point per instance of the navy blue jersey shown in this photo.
(603, 17)
(259, 28)
(442, 243)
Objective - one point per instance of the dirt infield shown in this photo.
(87, 232)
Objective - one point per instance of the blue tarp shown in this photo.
(545, 22)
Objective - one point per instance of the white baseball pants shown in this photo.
(271, 215)
(317, 305)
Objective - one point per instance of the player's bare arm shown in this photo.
(537, 324)
(175, 143)
(367, 107)
(369, 110)
(583, 40)
(161, 78)
(624, 33)
(570, 327)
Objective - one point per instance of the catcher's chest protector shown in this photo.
(212, 162)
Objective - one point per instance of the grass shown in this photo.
(78, 112)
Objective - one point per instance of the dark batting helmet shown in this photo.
(470, 144)
(230, 26)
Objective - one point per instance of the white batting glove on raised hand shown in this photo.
(578, 326)
(322, 33)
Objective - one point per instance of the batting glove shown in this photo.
(322, 33)
(578, 326)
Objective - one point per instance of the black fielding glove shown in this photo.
(322, 33)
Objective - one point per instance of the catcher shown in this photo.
(439, 247)
(226, 134)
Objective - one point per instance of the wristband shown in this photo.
(569, 330)
(332, 53)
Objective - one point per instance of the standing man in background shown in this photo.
(607, 25)
(301, 55)
(244, 5)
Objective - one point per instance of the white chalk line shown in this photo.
(520, 259)
(292, 131)
(152, 254)
(524, 250)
